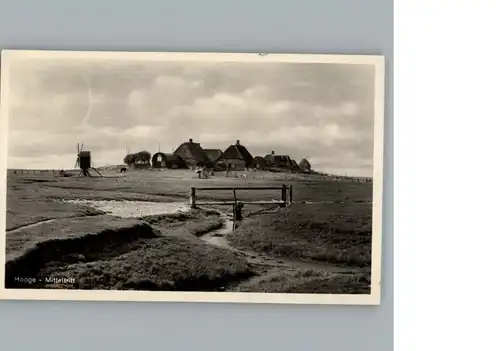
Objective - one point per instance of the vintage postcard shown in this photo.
(207, 177)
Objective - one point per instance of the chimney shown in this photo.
(190, 140)
(237, 142)
(272, 152)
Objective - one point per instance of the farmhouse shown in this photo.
(213, 154)
(279, 161)
(259, 162)
(193, 154)
(161, 160)
(237, 155)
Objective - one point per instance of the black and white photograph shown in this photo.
(209, 177)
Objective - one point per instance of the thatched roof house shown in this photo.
(278, 161)
(237, 155)
(259, 162)
(213, 154)
(161, 160)
(305, 165)
(193, 154)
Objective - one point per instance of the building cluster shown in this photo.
(236, 157)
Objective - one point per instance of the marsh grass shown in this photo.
(309, 282)
(309, 232)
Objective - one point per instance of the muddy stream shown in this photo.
(216, 237)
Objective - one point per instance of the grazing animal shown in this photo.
(123, 170)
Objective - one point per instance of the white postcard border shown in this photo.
(377, 61)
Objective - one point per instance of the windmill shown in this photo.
(84, 162)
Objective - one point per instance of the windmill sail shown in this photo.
(77, 163)
(79, 149)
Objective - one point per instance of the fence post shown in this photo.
(290, 194)
(234, 209)
(238, 213)
(192, 197)
(283, 195)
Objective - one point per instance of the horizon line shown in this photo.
(119, 165)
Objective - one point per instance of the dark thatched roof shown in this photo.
(192, 153)
(304, 164)
(279, 160)
(259, 162)
(213, 154)
(238, 151)
(161, 160)
(169, 158)
(173, 158)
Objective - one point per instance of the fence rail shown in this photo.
(286, 196)
(245, 188)
(244, 202)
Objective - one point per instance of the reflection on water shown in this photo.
(133, 209)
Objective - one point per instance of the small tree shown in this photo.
(143, 157)
(129, 159)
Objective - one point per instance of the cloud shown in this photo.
(324, 112)
(349, 108)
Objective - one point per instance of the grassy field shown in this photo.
(46, 236)
(154, 253)
(309, 281)
(316, 232)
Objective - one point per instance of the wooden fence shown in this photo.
(286, 196)
(286, 199)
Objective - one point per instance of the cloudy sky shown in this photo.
(320, 111)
